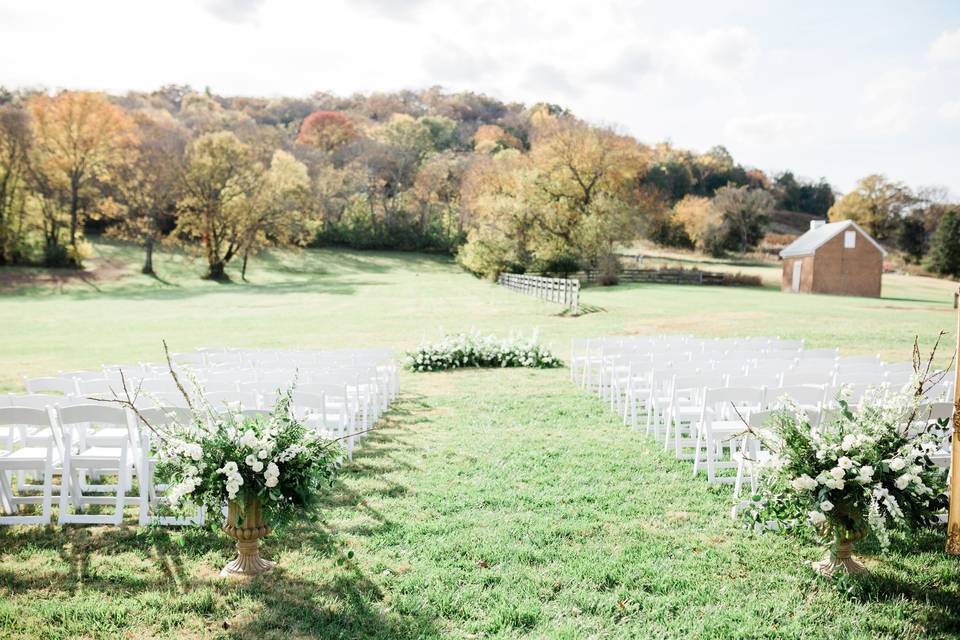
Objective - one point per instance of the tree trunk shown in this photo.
(148, 260)
(217, 271)
(243, 269)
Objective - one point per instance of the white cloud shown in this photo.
(946, 47)
(235, 11)
(950, 110)
(552, 80)
(766, 127)
(890, 105)
(713, 52)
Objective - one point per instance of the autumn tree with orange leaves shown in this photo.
(78, 140)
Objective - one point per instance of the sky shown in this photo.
(826, 89)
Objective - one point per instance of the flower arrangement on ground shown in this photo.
(860, 473)
(270, 469)
(472, 349)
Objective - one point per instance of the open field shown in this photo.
(492, 504)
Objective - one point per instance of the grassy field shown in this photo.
(492, 504)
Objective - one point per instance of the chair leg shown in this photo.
(711, 459)
(696, 452)
(6, 494)
(47, 492)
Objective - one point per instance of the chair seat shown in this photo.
(28, 454)
(100, 454)
(727, 426)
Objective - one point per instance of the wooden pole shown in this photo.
(953, 520)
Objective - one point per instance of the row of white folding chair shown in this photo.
(75, 442)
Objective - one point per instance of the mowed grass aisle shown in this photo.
(493, 504)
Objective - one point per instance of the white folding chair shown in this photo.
(111, 452)
(720, 428)
(44, 458)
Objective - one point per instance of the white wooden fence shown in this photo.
(561, 290)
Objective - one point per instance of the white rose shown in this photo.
(826, 505)
(845, 462)
(849, 441)
(866, 474)
(257, 466)
(263, 454)
(897, 463)
(271, 481)
(251, 460)
(817, 518)
(903, 481)
(837, 473)
(803, 483)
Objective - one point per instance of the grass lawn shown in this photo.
(492, 504)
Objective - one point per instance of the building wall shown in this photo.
(854, 272)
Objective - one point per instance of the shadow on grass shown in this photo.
(340, 602)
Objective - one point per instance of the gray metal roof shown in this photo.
(808, 243)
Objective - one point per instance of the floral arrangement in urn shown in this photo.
(259, 472)
(458, 350)
(859, 473)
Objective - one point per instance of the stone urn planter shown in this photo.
(840, 559)
(246, 526)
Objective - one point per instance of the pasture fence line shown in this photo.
(661, 276)
(565, 291)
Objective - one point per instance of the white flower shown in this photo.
(271, 481)
(866, 474)
(897, 464)
(826, 505)
(849, 442)
(229, 468)
(845, 463)
(251, 460)
(903, 481)
(804, 483)
(817, 518)
(257, 466)
(263, 454)
(837, 473)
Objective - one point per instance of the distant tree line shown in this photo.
(503, 186)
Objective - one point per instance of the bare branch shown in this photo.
(173, 374)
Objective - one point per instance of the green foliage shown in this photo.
(912, 238)
(944, 256)
(745, 213)
(461, 350)
(814, 198)
(863, 472)
(277, 460)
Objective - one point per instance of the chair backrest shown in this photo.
(90, 387)
(863, 376)
(31, 417)
(806, 378)
(35, 401)
(65, 386)
(759, 419)
(220, 401)
(932, 411)
(736, 396)
(808, 354)
(157, 385)
(805, 396)
(165, 416)
(98, 415)
(753, 381)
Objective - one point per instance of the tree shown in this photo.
(806, 197)
(326, 130)
(79, 137)
(876, 204)
(148, 184)
(699, 219)
(912, 238)
(745, 215)
(575, 194)
(221, 181)
(15, 142)
(944, 256)
(278, 216)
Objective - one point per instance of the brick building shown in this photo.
(838, 258)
